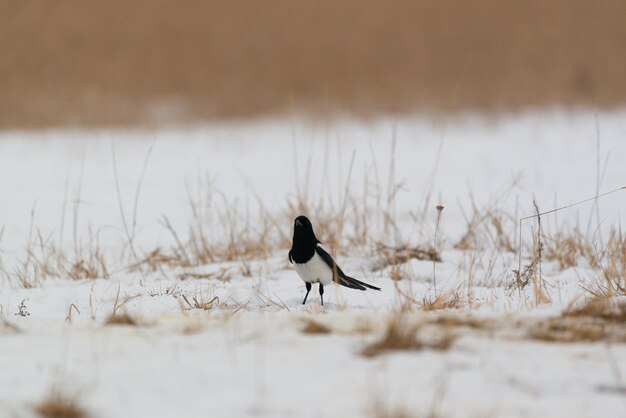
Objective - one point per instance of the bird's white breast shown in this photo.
(315, 270)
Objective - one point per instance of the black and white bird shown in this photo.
(313, 261)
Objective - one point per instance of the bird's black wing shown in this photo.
(290, 259)
(338, 275)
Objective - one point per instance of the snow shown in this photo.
(245, 355)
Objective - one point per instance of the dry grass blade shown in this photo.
(58, 405)
(68, 318)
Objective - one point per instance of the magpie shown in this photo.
(313, 261)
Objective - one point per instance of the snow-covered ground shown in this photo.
(229, 341)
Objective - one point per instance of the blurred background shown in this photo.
(121, 63)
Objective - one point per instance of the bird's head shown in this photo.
(302, 227)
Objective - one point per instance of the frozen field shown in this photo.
(145, 274)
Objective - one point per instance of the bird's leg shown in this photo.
(308, 289)
(322, 293)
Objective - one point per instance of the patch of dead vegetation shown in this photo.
(612, 264)
(153, 261)
(7, 327)
(43, 259)
(596, 319)
(568, 330)
(58, 405)
(220, 231)
(200, 302)
(450, 321)
(314, 327)
(192, 328)
(532, 273)
(222, 275)
(396, 255)
(381, 410)
(608, 309)
(488, 228)
(122, 318)
(296, 68)
(118, 315)
(446, 300)
(403, 335)
(568, 249)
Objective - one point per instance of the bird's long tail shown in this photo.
(353, 283)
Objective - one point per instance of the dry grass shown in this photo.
(382, 410)
(401, 335)
(201, 302)
(445, 300)
(43, 260)
(58, 405)
(612, 262)
(400, 254)
(488, 228)
(540, 292)
(118, 317)
(398, 336)
(154, 261)
(122, 318)
(7, 327)
(212, 59)
(595, 319)
(609, 261)
(222, 230)
(192, 328)
(314, 327)
(532, 273)
(568, 330)
(608, 309)
(450, 321)
(569, 249)
(222, 275)
(72, 308)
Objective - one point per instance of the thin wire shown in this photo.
(573, 204)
